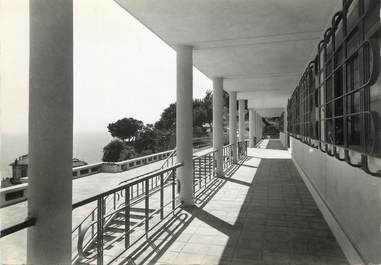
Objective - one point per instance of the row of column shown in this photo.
(51, 129)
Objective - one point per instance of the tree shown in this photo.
(125, 129)
(207, 105)
(199, 115)
(117, 150)
(146, 140)
(167, 119)
(111, 151)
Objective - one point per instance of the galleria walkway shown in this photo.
(260, 212)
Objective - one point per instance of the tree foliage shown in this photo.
(125, 129)
(167, 119)
(117, 150)
(146, 140)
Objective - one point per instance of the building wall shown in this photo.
(351, 195)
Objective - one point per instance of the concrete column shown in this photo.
(251, 127)
(241, 119)
(184, 122)
(50, 131)
(259, 124)
(233, 123)
(285, 120)
(218, 129)
(285, 127)
(260, 127)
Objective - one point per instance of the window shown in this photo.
(337, 100)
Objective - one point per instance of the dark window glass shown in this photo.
(339, 57)
(339, 82)
(329, 110)
(353, 102)
(311, 103)
(353, 42)
(317, 98)
(329, 48)
(353, 74)
(317, 128)
(329, 67)
(339, 107)
(328, 92)
(329, 131)
(352, 15)
(339, 131)
(354, 132)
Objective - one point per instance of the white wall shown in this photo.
(352, 196)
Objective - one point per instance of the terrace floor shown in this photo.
(261, 212)
(13, 247)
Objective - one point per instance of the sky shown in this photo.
(121, 69)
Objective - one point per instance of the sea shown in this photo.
(87, 146)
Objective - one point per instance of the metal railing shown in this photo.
(242, 149)
(112, 203)
(139, 191)
(227, 154)
(204, 169)
(17, 227)
(91, 238)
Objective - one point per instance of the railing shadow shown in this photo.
(181, 219)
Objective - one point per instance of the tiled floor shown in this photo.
(260, 213)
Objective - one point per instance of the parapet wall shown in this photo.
(351, 196)
(17, 193)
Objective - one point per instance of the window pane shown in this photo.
(339, 131)
(353, 78)
(339, 82)
(329, 131)
(353, 102)
(329, 89)
(329, 110)
(339, 107)
(354, 132)
(339, 57)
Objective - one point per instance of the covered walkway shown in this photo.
(261, 212)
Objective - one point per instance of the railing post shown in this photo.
(199, 169)
(114, 200)
(173, 189)
(100, 208)
(146, 206)
(210, 165)
(205, 174)
(127, 217)
(223, 159)
(161, 196)
(92, 220)
(215, 164)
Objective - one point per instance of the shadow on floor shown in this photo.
(266, 217)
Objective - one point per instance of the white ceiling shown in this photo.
(255, 45)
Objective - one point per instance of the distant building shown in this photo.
(20, 167)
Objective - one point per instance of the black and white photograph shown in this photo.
(190, 132)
